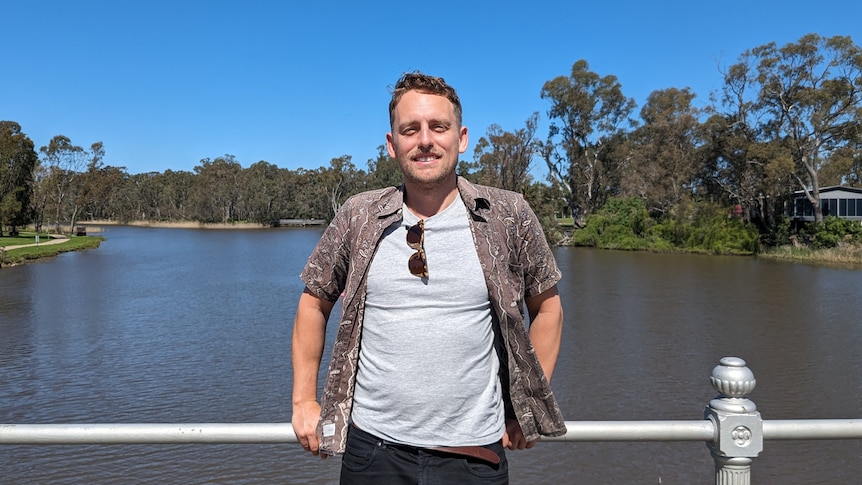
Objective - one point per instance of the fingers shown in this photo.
(310, 443)
(513, 437)
(304, 420)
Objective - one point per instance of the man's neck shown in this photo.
(425, 202)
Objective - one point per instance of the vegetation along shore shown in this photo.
(27, 247)
(752, 171)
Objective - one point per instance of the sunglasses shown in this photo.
(415, 239)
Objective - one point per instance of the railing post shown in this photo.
(738, 426)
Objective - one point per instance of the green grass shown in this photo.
(566, 221)
(844, 254)
(24, 255)
(21, 238)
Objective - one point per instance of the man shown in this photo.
(434, 276)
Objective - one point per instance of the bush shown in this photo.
(620, 224)
(624, 223)
(833, 230)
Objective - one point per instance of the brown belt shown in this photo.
(477, 452)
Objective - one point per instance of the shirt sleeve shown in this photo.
(325, 272)
(537, 258)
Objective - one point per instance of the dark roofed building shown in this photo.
(843, 202)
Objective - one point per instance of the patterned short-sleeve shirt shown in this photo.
(515, 258)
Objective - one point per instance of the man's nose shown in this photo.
(425, 139)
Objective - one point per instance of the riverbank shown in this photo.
(94, 225)
(32, 248)
(843, 255)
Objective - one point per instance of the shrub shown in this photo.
(834, 230)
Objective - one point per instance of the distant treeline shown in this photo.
(787, 118)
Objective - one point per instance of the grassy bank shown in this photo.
(47, 247)
(844, 254)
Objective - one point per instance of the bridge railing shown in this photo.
(732, 428)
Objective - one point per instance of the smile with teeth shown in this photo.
(425, 158)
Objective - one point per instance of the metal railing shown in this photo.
(732, 428)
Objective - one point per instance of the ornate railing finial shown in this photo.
(734, 381)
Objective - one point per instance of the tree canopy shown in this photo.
(786, 118)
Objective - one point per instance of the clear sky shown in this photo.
(164, 84)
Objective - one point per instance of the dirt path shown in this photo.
(52, 240)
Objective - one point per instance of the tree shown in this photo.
(587, 116)
(215, 192)
(147, 191)
(384, 171)
(504, 158)
(340, 181)
(176, 194)
(809, 98)
(17, 161)
(741, 164)
(63, 162)
(93, 189)
(262, 193)
(663, 164)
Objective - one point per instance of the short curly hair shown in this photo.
(417, 81)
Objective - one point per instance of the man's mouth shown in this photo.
(425, 158)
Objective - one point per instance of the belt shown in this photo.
(478, 452)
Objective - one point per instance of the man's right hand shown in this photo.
(306, 414)
(309, 333)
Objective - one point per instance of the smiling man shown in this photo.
(434, 370)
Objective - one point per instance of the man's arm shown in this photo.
(309, 336)
(546, 330)
(546, 327)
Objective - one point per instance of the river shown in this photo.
(193, 326)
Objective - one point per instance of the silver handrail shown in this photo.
(732, 428)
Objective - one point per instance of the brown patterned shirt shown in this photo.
(515, 259)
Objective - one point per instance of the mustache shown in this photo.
(426, 153)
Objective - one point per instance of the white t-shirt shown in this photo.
(428, 368)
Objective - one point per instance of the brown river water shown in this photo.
(193, 326)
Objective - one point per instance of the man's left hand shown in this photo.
(513, 438)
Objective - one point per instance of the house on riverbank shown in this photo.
(838, 201)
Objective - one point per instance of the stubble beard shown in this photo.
(428, 180)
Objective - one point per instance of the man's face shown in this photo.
(426, 139)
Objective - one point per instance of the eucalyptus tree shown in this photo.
(806, 98)
(741, 164)
(262, 191)
(146, 190)
(92, 195)
(17, 161)
(503, 158)
(215, 193)
(176, 194)
(588, 113)
(339, 181)
(663, 165)
(309, 198)
(105, 192)
(63, 164)
(383, 171)
(854, 170)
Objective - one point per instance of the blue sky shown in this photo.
(164, 84)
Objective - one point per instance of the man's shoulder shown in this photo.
(378, 198)
(494, 197)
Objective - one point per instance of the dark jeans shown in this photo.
(369, 460)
